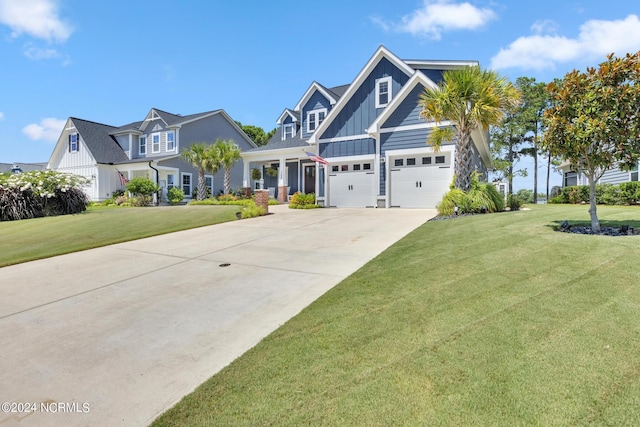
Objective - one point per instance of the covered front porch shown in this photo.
(165, 177)
(282, 172)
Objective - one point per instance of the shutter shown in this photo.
(69, 143)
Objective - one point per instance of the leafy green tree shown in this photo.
(594, 120)
(535, 100)
(203, 157)
(227, 154)
(256, 133)
(472, 99)
(506, 141)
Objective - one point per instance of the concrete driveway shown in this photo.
(115, 336)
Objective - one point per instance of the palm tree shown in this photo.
(202, 157)
(471, 99)
(228, 153)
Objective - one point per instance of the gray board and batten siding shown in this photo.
(208, 130)
(316, 101)
(408, 112)
(353, 147)
(360, 111)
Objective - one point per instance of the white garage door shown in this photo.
(419, 181)
(351, 189)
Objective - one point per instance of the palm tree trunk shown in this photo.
(464, 162)
(227, 180)
(202, 185)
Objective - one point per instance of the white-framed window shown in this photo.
(315, 118)
(155, 143)
(186, 184)
(142, 145)
(171, 141)
(208, 182)
(287, 131)
(74, 142)
(383, 92)
(170, 181)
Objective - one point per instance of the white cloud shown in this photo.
(36, 53)
(37, 18)
(596, 39)
(1, 116)
(438, 16)
(48, 129)
(544, 26)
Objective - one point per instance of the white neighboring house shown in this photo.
(611, 176)
(110, 155)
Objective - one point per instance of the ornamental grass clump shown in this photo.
(41, 193)
(482, 197)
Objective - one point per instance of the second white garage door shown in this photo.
(419, 182)
(351, 189)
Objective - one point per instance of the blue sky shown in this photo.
(111, 62)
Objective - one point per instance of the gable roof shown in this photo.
(380, 53)
(417, 78)
(276, 142)
(97, 137)
(315, 86)
(295, 115)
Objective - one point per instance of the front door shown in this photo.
(309, 179)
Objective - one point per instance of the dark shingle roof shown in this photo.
(339, 90)
(173, 119)
(25, 167)
(135, 126)
(276, 142)
(101, 144)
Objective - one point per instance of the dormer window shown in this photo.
(142, 146)
(287, 131)
(315, 118)
(383, 92)
(73, 142)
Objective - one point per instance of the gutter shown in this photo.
(155, 196)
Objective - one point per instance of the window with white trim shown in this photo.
(171, 141)
(155, 143)
(142, 145)
(74, 141)
(383, 92)
(287, 131)
(208, 182)
(315, 119)
(186, 184)
(170, 181)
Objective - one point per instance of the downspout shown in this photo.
(155, 195)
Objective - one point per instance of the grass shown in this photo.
(485, 320)
(31, 239)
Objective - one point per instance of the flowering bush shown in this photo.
(41, 193)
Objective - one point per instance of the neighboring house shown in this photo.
(110, 156)
(611, 176)
(18, 167)
(372, 135)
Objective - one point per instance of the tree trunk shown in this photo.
(510, 191)
(548, 176)
(595, 224)
(227, 180)
(535, 170)
(202, 186)
(464, 158)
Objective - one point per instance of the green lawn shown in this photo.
(31, 239)
(485, 320)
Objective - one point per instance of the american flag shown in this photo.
(123, 179)
(316, 158)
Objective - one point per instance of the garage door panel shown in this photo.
(418, 186)
(351, 189)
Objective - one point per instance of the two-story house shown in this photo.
(110, 155)
(372, 136)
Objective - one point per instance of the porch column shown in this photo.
(246, 178)
(282, 183)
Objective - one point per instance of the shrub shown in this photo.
(117, 193)
(142, 186)
(514, 202)
(38, 193)
(226, 198)
(447, 205)
(175, 195)
(630, 193)
(142, 200)
(557, 200)
(251, 210)
(525, 196)
(303, 201)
